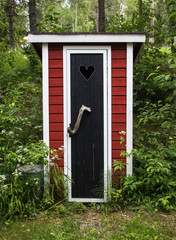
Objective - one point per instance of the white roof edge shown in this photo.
(87, 38)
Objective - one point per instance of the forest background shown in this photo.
(154, 180)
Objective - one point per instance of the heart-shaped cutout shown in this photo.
(86, 71)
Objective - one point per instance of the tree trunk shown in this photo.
(32, 16)
(140, 9)
(172, 22)
(101, 23)
(152, 40)
(10, 19)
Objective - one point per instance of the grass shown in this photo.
(75, 221)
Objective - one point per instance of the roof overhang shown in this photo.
(137, 38)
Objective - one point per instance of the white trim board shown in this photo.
(106, 51)
(86, 38)
(129, 109)
(45, 88)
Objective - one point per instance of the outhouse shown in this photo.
(87, 103)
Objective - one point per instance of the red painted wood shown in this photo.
(116, 154)
(56, 127)
(56, 136)
(56, 73)
(55, 82)
(118, 82)
(118, 108)
(56, 144)
(116, 145)
(118, 91)
(60, 163)
(118, 63)
(118, 100)
(57, 118)
(56, 100)
(55, 63)
(116, 136)
(56, 54)
(56, 91)
(116, 117)
(118, 127)
(118, 72)
(56, 109)
(117, 53)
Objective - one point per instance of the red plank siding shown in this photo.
(116, 136)
(56, 91)
(119, 82)
(118, 99)
(56, 127)
(56, 124)
(56, 63)
(118, 53)
(56, 109)
(118, 91)
(116, 145)
(118, 72)
(55, 144)
(118, 63)
(56, 72)
(56, 136)
(59, 118)
(118, 118)
(55, 82)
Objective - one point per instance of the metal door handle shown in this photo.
(76, 127)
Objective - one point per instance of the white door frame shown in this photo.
(106, 51)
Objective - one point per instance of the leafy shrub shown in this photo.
(154, 179)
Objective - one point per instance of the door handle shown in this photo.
(76, 127)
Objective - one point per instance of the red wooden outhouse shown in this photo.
(87, 103)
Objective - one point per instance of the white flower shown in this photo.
(51, 164)
(3, 131)
(10, 133)
(123, 132)
(5, 186)
(2, 177)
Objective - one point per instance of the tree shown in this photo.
(170, 4)
(10, 19)
(32, 15)
(101, 22)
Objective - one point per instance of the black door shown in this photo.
(87, 160)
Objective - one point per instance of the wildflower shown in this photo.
(3, 131)
(2, 177)
(123, 132)
(10, 133)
